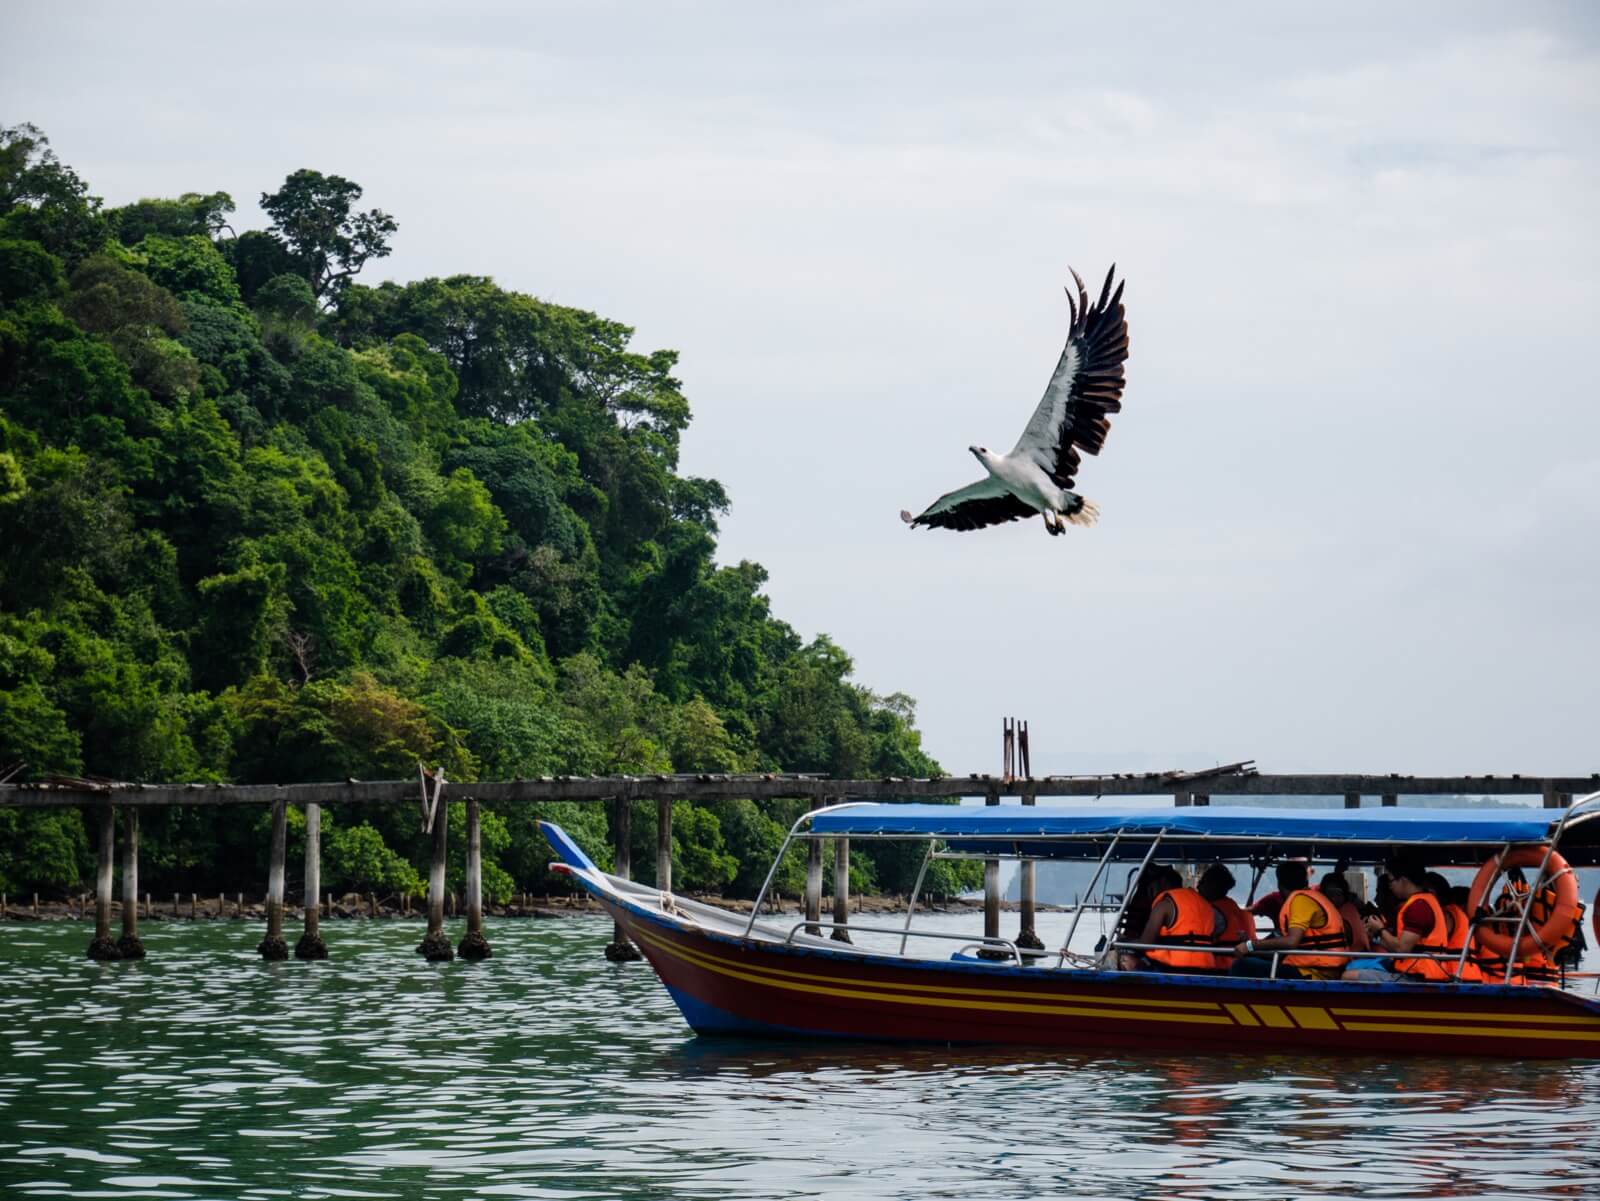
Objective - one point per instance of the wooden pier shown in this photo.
(1184, 788)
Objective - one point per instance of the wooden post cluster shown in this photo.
(619, 949)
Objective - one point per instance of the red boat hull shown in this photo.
(728, 986)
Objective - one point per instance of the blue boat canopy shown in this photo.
(1079, 832)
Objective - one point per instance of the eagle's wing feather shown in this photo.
(1085, 387)
(983, 502)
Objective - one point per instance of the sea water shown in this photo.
(547, 1072)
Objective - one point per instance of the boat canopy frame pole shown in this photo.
(794, 832)
(1127, 897)
(1077, 912)
(916, 889)
(1538, 880)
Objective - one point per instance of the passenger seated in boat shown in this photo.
(1287, 870)
(1456, 925)
(1156, 879)
(1186, 918)
(1419, 925)
(1238, 923)
(1337, 889)
(1307, 922)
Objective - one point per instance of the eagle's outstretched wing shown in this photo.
(1086, 386)
(985, 502)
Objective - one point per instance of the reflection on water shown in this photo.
(547, 1072)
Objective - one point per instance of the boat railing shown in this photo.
(1282, 952)
(904, 933)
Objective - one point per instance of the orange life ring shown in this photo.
(1550, 935)
(1594, 916)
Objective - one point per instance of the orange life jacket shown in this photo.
(1238, 925)
(1426, 969)
(1194, 922)
(1330, 935)
(1457, 924)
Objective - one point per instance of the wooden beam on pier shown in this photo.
(773, 787)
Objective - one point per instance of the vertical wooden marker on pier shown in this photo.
(102, 947)
(664, 844)
(272, 947)
(129, 945)
(619, 949)
(435, 947)
(841, 889)
(814, 881)
(474, 945)
(311, 945)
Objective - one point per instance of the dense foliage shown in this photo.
(261, 523)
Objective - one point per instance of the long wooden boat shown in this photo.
(732, 974)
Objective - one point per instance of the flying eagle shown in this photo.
(1037, 476)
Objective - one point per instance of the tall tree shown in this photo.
(312, 213)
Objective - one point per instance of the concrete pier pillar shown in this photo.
(1352, 800)
(435, 947)
(664, 845)
(272, 947)
(1027, 936)
(991, 892)
(1390, 800)
(619, 949)
(841, 889)
(102, 947)
(474, 945)
(129, 944)
(1182, 799)
(311, 945)
(1555, 799)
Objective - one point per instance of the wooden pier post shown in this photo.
(129, 944)
(1181, 798)
(1201, 799)
(991, 893)
(841, 889)
(813, 900)
(664, 844)
(311, 945)
(435, 947)
(1352, 800)
(101, 947)
(1390, 800)
(1554, 799)
(1028, 895)
(474, 945)
(272, 947)
(619, 949)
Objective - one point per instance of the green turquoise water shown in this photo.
(547, 1072)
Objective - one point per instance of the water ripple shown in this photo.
(546, 1072)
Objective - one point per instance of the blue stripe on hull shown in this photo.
(709, 1020)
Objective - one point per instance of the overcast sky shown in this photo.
(1351, 509)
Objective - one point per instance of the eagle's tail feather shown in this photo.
(1086, 514)
(905, 516)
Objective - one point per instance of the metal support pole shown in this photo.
(841, 889)
(129, 943)
(664, 844)
(435, 947)
(619, 949)
(311, 945)
(102, 947)
(273, 946)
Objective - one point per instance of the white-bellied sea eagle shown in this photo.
(1037, 476)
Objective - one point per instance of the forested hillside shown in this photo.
(260, 522)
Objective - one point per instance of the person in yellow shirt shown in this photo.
(1308, 924)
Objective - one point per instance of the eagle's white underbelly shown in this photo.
(1027, 481)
